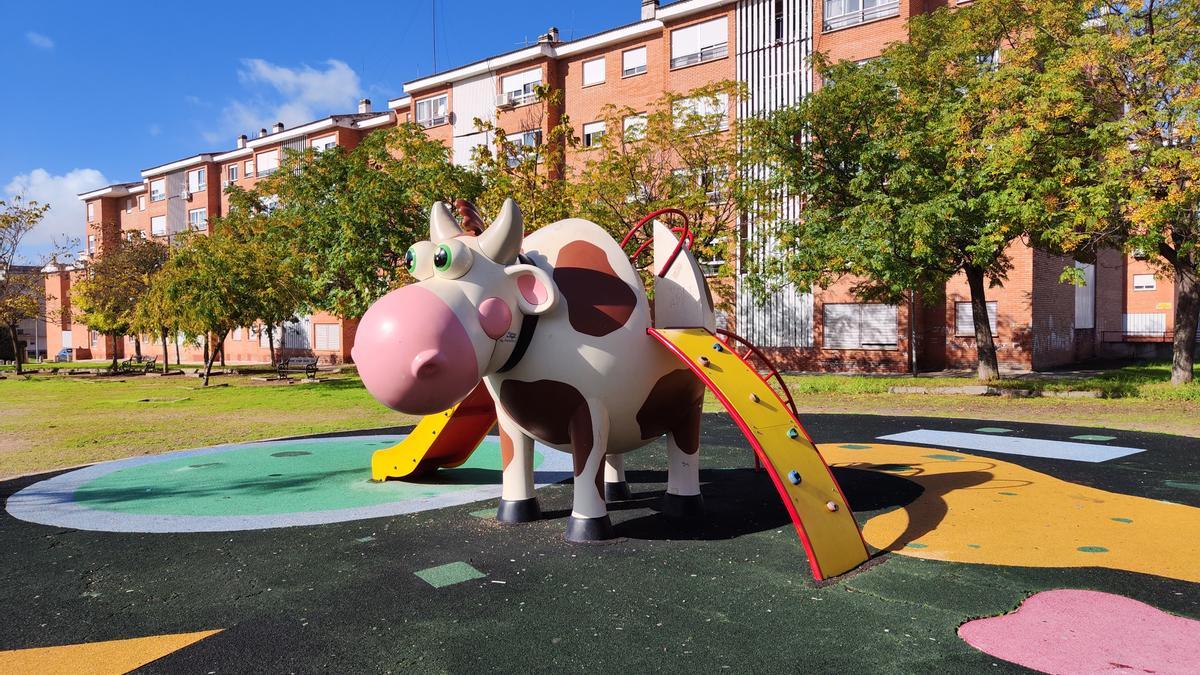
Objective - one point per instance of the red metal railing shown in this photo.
(786, 394)
(685, 238)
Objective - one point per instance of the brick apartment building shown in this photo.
(765, 44)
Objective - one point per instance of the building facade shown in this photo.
(765, 45)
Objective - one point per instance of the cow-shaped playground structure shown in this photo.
(555, 324)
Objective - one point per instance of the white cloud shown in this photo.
(65, 219)
(38, 40)
(289, 95)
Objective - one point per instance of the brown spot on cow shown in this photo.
(674, 406)
(598, 301)
(553, 412)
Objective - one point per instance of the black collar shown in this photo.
(528, 327)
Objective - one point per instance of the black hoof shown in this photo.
(682, 506)
(589, 529)
(519, 511)
(617, 492)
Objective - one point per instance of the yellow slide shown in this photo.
(443, 440)
(815, 502)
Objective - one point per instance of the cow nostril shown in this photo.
(427, 364)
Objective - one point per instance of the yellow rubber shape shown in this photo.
(111, 657)
(442, 440)
(805, 483)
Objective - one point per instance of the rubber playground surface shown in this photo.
(277, 557)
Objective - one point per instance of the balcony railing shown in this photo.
(514, 98)
(433, 121)
(707, 54)
(863, 15)
(1140, 336)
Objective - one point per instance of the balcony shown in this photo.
(707, 54)
(836, 16)
(433, 121)
(511, 99)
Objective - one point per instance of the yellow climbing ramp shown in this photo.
(442, 440)
(815, 502)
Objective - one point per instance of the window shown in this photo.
(231, 173)
(433, 111)
(860, 326)
(141, 202)
(158, 225)
(94, 337)
(964, 319)
(1144, 282)
(523, 140)
(237, 334)
(158, 190)
(1085, 297)
(324, 143)
(248, 168)
(518, 89)
(779, 20)
(635, 126)
(198, 219)
(699, 43)
(1150, 324)
(633, 62)
(712, 180)
(710, 113)
(843, 13)
(91, 212)
(592, 133)
(267, 162)
(91, 243)
(129, 205)
(329, 336)
(593, 72)
(197, 180)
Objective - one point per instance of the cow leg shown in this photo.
(683, 498)
(615, 487)
(517, 501)
(589, 440)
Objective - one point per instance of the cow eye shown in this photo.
(452, 259)
(419, 260)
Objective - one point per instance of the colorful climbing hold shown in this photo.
(794, 476)
(915, 545)
(718, 346)
(832, 506)
(993, 430)
(793, 434)
(1092, 549)
(1122, 520)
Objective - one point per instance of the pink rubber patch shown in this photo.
(495, 317)
(532, 289)
(1070, 631)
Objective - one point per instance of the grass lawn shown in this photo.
(51, 421)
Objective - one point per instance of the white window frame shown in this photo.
(964, 319)
(845, 13)
(129, 205)
(430, 106)
(590, 65)
(1139, 282)
(91, 243)
(141, 202)
(700, 42)
(519, 88)
(522, 139)
(635, 70)
(332, 338)
(272, 157)
(592, 133)
(158, 189)
(198, 224)
(231, 173)
(248, 169)
(91, 211)
(857, 313)
(197, 180)
(158, 231)
(634, 126)
(323, 143)
(699, 106)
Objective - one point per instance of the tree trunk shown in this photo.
(271, 342)
(1187, 314)
(113, 345)
(207, 354)
(210, 358)
(12, 336)
(166, 354)
(137, 346)
(178, 361)
(985, 344)
(912, 332)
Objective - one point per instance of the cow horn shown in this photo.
(502, 241)
(442, 225)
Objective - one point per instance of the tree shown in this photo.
(341, 221)
(107, 298)
(683, 152)
(529, 167)
(20, 293)
(895, 161)
(154, 316)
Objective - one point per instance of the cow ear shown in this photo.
(536, 293)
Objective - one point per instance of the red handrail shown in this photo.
(685, 239)
(791, 403)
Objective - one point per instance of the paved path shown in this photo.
(450, 590)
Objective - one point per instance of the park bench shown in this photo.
(138, 364)
(297, 364)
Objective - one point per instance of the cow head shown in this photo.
(421, 349)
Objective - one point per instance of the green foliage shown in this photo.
(106, 300)
(534, 173)
(340, 221)
(19, 293)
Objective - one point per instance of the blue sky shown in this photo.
(95, 92)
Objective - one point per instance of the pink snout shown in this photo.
(413, 353)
